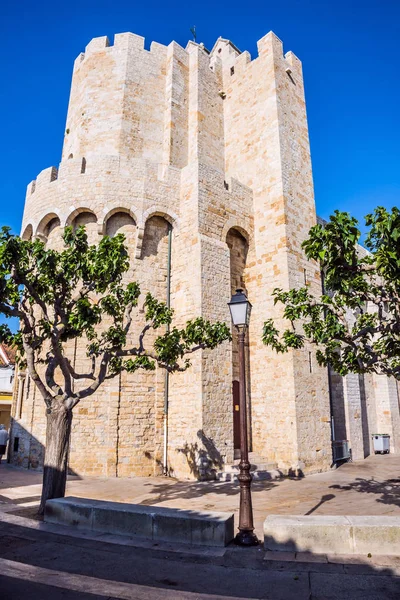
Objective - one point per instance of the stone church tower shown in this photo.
(202, 160)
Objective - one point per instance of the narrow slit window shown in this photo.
(310, 361)
(232, 70)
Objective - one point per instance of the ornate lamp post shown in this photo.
(240, 309)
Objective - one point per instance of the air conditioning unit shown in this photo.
(341, 450)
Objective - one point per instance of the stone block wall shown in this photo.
(214, 145)
(267, 148)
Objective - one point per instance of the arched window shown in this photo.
(53, 234)
(154, 256)
(49, 231)
(238, 249)
(84, 218)
(51, 226)
(88, 219)
(120, 222)
(28, 233)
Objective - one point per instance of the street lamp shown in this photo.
(240, 309)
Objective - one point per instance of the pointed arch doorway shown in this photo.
(238, 251)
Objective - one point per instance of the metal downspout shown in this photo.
(330, 387)
(166, 386)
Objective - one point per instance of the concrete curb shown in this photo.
(117, 540)
(324, 534)
(247, 557)
(152, 522)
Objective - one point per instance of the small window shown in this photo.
(305, 276)
(219, 50)
(226, 185)
(232, 70)
(310, 362)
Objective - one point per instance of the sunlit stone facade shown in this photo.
(215, 146)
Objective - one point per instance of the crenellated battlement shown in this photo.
(123, 42)
(225, 51)
(51, 174)
(133, 102)
(118, 91)
(105, 188)
(107, 166)
(109, 184)
(115, 167)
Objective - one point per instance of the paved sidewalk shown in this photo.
(38, 561)
(369, 487)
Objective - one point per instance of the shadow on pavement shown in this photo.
(50, 566)
(324, 499)
(389, 490)
(187, 490)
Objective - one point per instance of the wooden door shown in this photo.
(236, 414)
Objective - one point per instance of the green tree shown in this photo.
(79, 293)
(355, 322)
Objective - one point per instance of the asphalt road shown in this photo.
(37, 565)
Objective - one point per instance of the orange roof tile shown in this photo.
(10, 354)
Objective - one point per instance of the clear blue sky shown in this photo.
(350, 53)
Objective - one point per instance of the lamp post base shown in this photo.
(246, 537)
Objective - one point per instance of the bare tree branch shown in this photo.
(30, 360)
(128, 317)
(76, 375)
(10, 311)
(98, 381)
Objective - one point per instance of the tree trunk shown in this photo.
(58, 433)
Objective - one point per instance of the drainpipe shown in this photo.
(331, 402)
(166, 386)
(330, 387)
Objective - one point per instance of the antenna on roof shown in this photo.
(193, 32)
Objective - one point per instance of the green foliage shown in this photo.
(355, 323)
(79, 293)
(157, 312)
(199, 333)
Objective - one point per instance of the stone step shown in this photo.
(260, 469)
(257, 463)
(254, 467)
(258, 475)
